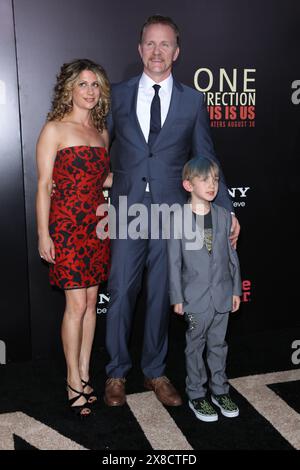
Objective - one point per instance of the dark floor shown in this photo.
(38, 389)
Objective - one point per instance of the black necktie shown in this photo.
(155, 120)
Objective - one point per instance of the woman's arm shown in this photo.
(46, 149)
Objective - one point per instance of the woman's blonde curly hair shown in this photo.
(62, 101)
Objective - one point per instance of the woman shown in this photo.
(72, 152)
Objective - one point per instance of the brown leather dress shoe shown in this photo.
(115, 392)
(164, 391)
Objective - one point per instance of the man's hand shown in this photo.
(235, 231)
(235, 303)
(178, 308)
(109, 181)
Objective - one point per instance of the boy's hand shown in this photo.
(178, 308)
(235, 303)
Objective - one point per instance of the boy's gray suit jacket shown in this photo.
(195, 275)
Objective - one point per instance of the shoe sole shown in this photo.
(228, 414)
(207, 419)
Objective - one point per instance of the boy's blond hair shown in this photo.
(199, 166)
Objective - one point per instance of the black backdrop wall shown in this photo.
(243, 54)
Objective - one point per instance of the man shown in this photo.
(156, 125)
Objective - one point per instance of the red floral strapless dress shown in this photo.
(81, 259)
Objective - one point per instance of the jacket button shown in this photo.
(144, 178)
(150, 155)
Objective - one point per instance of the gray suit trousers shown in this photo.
(206, 329)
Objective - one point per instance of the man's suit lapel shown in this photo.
(133, 87)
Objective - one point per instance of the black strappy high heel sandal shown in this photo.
(91, 396)
(78, 409)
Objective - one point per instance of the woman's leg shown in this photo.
(72, 334)
(88, 331)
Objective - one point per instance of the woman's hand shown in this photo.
(46, 249)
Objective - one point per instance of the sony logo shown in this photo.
(235, 192)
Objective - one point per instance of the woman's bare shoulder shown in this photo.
(54, 130)
(51, 128)
(50, 133)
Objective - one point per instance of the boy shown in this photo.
(205, 284)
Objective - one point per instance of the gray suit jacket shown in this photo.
(196, 276)
(185, 134)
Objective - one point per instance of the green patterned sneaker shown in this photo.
(203, 410)
(227, 406)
